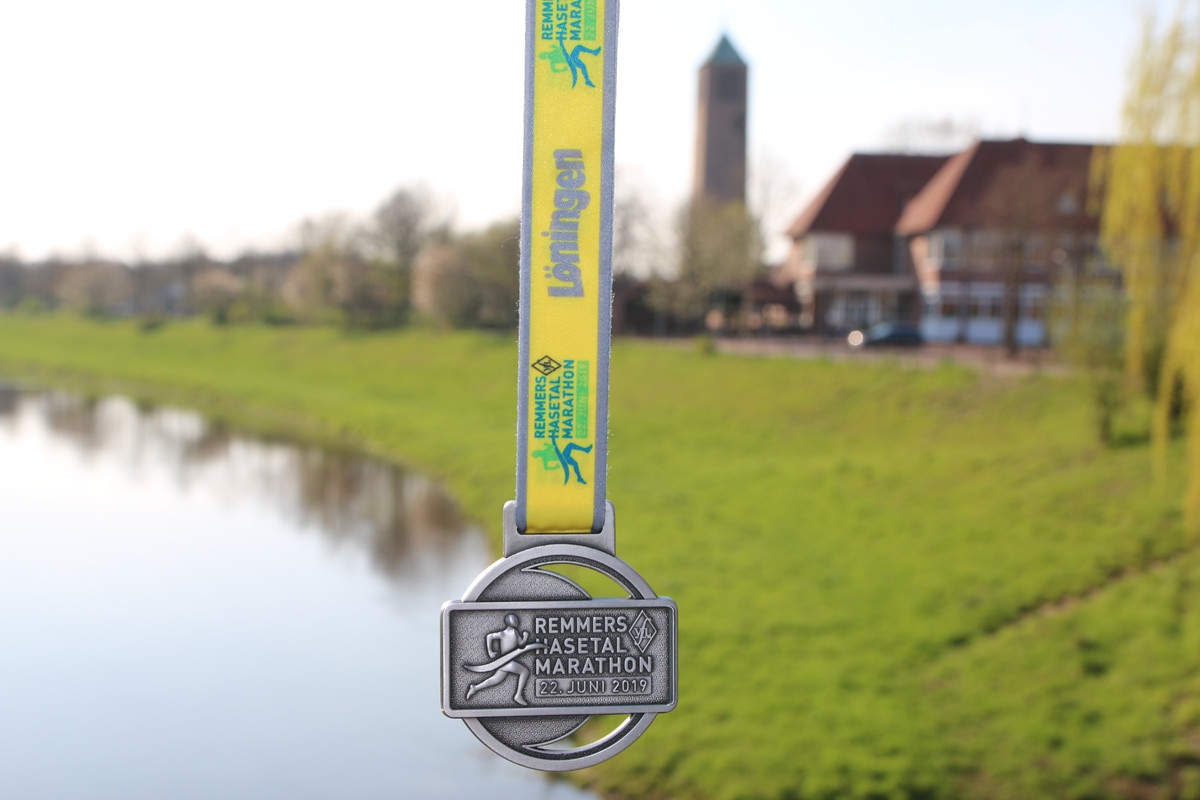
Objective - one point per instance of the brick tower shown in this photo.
(721, 127)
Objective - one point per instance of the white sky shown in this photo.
(128, 125)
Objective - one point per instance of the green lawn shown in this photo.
(891, 582)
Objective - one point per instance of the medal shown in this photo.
(528, 654)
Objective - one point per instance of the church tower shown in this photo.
(721, 127)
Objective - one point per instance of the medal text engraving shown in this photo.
(545, 658)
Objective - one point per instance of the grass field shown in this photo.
(892, 583)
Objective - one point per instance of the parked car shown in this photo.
(890, 334)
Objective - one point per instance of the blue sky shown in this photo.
(131, 125)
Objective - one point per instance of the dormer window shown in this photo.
(829, 252)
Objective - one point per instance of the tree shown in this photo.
(327, 283)
(215, 290)
(472, 281)
(720, 250)
(337, 280)
(1092, 327)
(402, 223)
(1151, 224)
(98, 289)
(494, 256)
(774, 195)
(923, 135)
(12, 281)
(188, 258)
(402, 226)
(443, 287)
(637, 244)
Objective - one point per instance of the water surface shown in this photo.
(188, 613)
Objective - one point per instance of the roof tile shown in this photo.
(868, 194)
(1012, 182)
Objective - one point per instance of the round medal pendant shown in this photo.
(529, 656)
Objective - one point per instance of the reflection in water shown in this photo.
(400, 519)
(186, 612)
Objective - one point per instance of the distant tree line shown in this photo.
(405, 263)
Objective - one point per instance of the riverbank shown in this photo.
(892, 582)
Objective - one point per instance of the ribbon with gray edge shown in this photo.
(566, 268)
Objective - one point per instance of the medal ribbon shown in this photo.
(566, 265)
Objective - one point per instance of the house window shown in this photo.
(950, 307)
(856, 309)
(985, 302)
(985, 247)
(1033, 303)
(829, 252)
(1035, 249)
(945, 249)
(979, 308)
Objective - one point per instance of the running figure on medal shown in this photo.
(505, 646)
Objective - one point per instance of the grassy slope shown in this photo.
(859, 552)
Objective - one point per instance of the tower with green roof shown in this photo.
(720, 174)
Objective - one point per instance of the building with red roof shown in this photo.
(968, 245)
(844, 260)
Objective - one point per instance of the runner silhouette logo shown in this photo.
(555, 457)
(504, 647)
(561, 60)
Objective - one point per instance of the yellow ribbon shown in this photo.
(566, 264)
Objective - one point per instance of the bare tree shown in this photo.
(638, 246)
(774, 197)
(402, 223)
(930, 135)
(405, 222)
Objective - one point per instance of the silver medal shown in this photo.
(528, 656)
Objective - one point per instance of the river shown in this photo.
(190, 613)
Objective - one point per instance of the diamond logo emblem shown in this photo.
(643, 631)
(546, 365)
